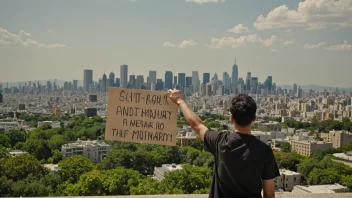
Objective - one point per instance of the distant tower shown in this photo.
(111, 79)
(123, 76)
(206, 78)
(182, 79)
(195, 81)
(104, 83)
(87, 79)
(234, 76)
(168, 80)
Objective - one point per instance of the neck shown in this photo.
(244, 130)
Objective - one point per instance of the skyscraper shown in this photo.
(87, 80)
(195, 81)
(254, 85)
(111, 79)
(168, 80)
(132, 82)
(104, 83)
(234, 76)
(175, 81)
(1, 98)
(152, 76)
(226, 80)
(206, 78)
(139, 81)
(182, 79)
(75, 85)
(123, 76)
(188, 81)
(270, 83)
(160, 84)
(248, 81)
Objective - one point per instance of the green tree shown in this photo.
(197, 144)
(56, 157)
(146, 186)
(56, 142)
(73, 167)
(347, 181)
(189, 154)
(285, 147)
(116, 158)
(186, 181)
(323, 176)
(4, 153)
(19, 167)
(31, 189)
(38, 147)
(16, 136)
(5, 141)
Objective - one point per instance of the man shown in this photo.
(243, 164)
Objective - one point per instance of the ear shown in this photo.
(232, 118)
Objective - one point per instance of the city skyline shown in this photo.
(102, 36)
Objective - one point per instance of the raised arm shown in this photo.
(193, 119)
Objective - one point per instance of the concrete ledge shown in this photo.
(278, 195)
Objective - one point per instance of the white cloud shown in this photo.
(245, 40)
(239, 29)
(314, 46)
(23, 39)
(344, 46)
(310, 14)
(288, 42)
(183, 44)
(204, 1)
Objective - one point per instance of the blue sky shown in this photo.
(307, 42)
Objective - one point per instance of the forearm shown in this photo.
(192, 118)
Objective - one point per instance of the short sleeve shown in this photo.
(211, 141)
(271, 170)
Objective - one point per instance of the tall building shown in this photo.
(132, 82)
(208, 91)
(87, 80)
(152, 76)
(295, 89)
(189, 81)
(111, 80)
(270, 83)
(206, 78)
(75, 85)
(123, 76)
(226, 81)
(160, 84)
(1, 97)
(117, 82)
(254, 88)
(104, 83)
(182, 79)
(234, 76)
(139, 82)
(308, 147)
(195, 81)
(248, 81)
(168, 80)
(175, 81)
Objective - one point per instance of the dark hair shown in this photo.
(243, 109)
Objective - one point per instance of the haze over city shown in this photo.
(292, 41)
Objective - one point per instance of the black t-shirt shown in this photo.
(241, 163)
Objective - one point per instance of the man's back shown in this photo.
(241, 162)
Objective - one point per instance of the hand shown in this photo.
(175, 96)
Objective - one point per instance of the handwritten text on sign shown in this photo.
(141, 116)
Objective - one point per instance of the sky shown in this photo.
(303, 42)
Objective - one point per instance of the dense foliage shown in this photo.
(127, 167)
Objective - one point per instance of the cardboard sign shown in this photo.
(141, 116)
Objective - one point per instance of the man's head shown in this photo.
(243, 110)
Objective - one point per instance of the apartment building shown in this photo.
(337, 138)
(323, 189)
(95, 150)
(186, 140)
(287, 180)
(307, 147)
(159, 172)
(262, 136)
(268, 127)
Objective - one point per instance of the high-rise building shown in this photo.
(139, 82)
(123, 76)
(208, 91)
(226, 81)
(132, 82)
(248, 81)
(195, 81)
(270, 83)
(168, 80)
(160, 84)
(118, 82)
(152, 76)
(104, 83)
(111, 79)
(295, 89)
(75, 85)
(87, 80)
(234, 76)
(254, 85)
(1, 97)
(206, 78)
(188, 81)
(182, 79)
(175, 81)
